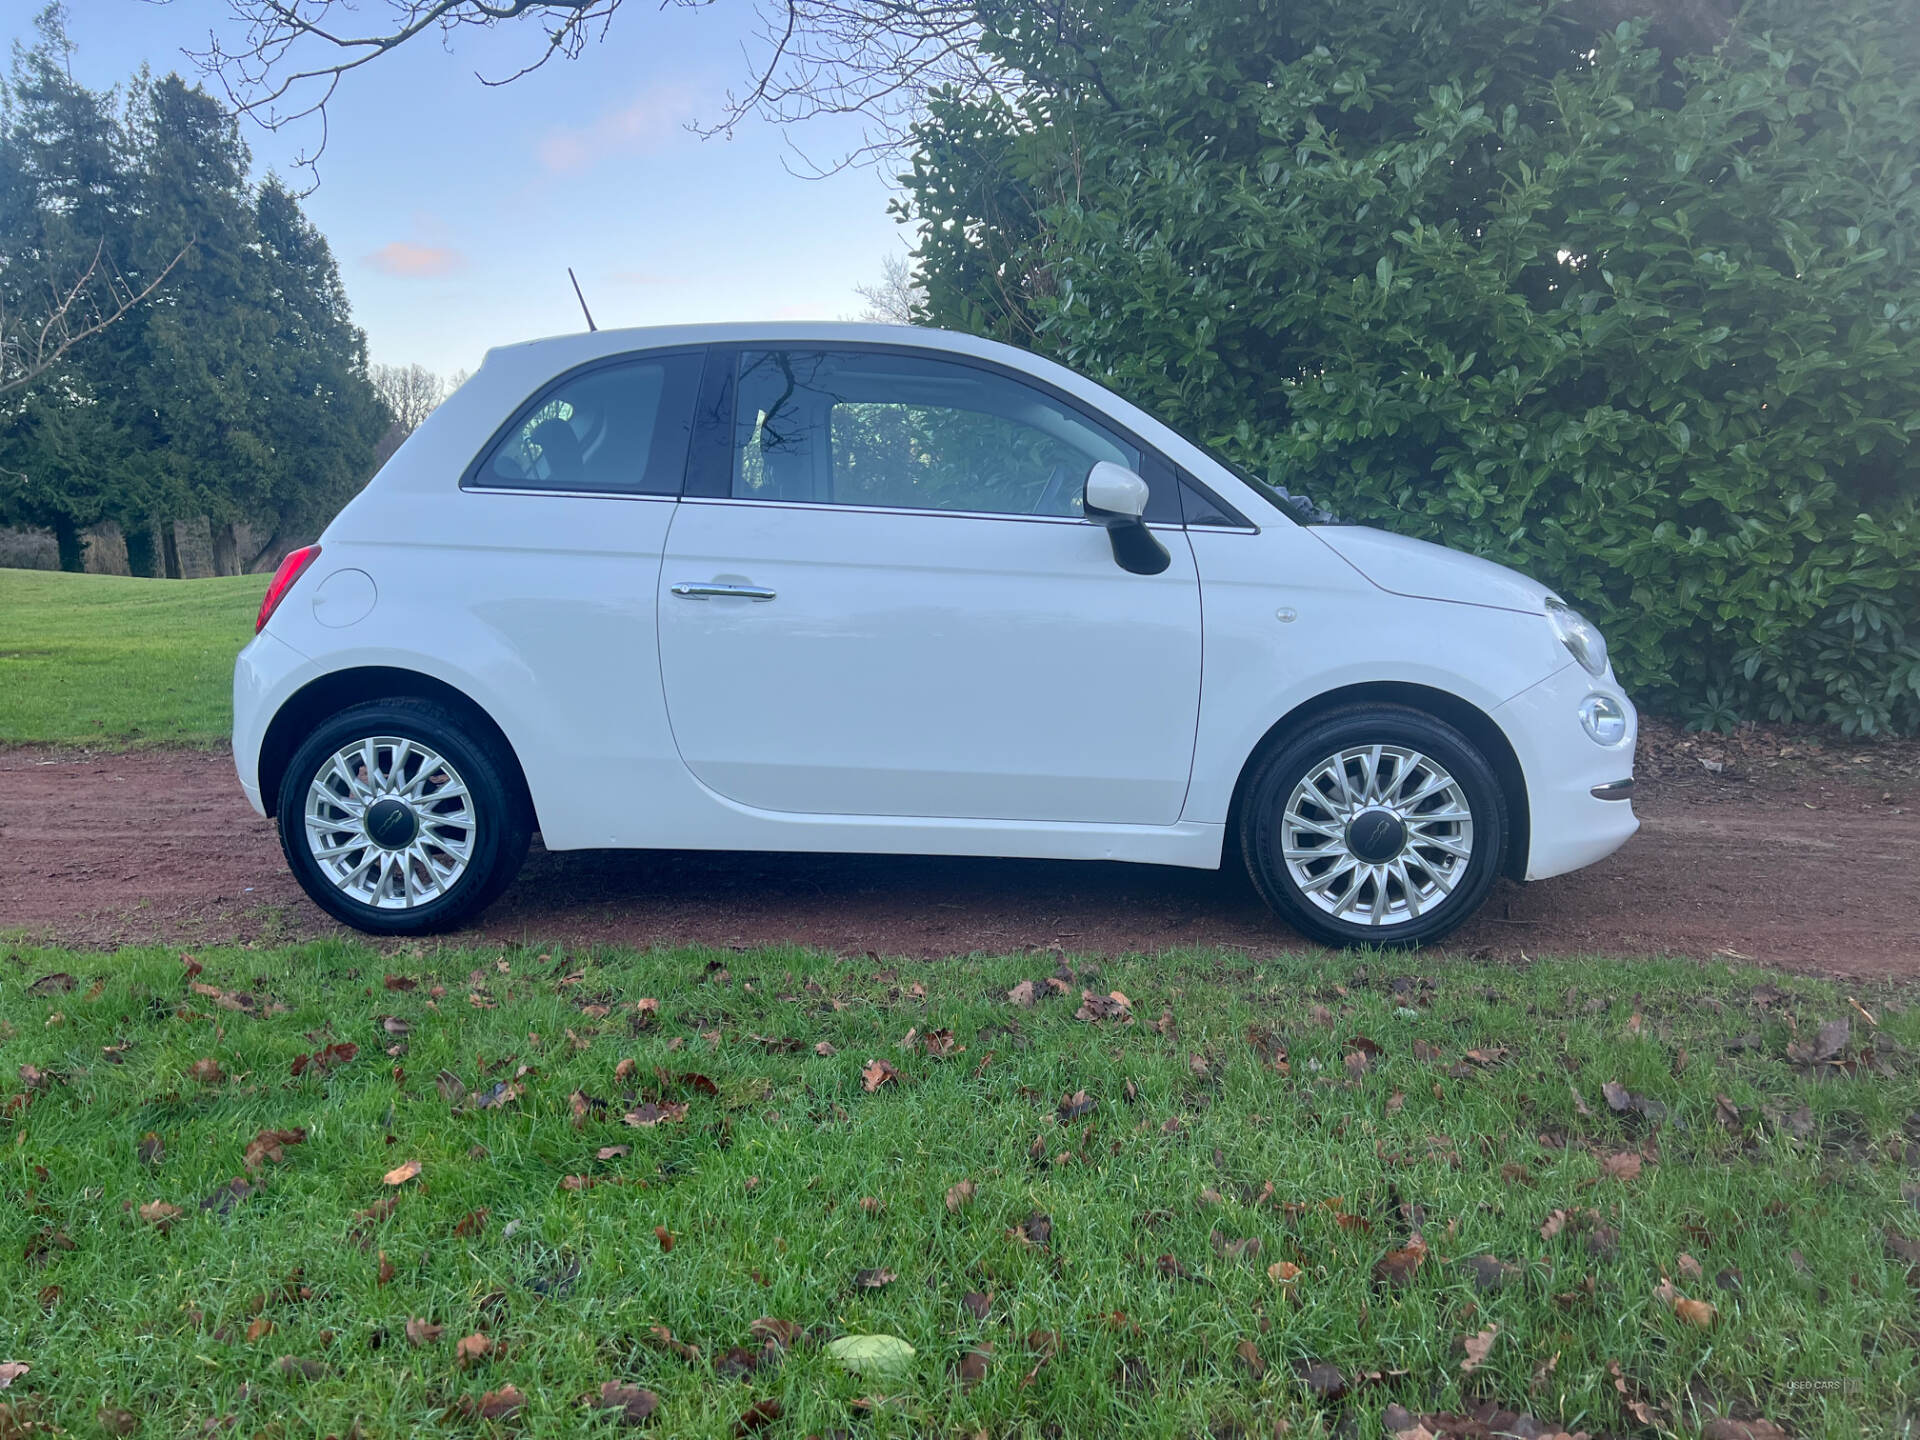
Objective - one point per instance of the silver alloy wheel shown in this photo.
(1377, 834)
(390, 822)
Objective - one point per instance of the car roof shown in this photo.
(558, 352)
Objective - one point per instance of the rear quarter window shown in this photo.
(616, 428)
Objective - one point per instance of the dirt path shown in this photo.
(1822, 875)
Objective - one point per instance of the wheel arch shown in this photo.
(335, 691)
(1466, 717)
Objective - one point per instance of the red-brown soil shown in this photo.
(1791, 854)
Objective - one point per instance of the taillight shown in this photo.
(291, 569)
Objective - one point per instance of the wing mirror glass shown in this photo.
(1116, 498)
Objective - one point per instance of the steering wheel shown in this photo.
(1050, 496)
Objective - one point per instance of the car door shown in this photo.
(879, 597)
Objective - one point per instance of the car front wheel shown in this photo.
(397, 820)
(1378, 825)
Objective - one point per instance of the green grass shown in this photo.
(107, 660)
(761, 1185)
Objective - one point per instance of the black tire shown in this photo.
(1285, 768)
(495, 845)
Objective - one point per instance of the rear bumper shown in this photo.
(1577, 810)
(265, 673)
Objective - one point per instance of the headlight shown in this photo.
(1578, 634)
(1604, 718)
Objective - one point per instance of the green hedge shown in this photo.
(1629, 307)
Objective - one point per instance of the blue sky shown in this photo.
(454, 208)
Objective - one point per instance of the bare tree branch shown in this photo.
(76, 310)
(283, 61)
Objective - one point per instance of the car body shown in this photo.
(851, 588)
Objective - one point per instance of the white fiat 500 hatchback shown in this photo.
(876, 589)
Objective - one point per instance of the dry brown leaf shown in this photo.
(400, 1174)
(825, 1049)
(207, 1072)
(423, 1332)
(160, 1215)
(1621, 1165)
(876, 1073)
(1477, 1347)
(635, 1403)
(471, 1350)
(1283, 1271)
(960, 1196)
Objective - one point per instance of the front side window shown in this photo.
(910, 432)
(617, 429)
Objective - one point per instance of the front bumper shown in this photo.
(1574, 821)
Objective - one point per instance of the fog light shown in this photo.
(1604, 719)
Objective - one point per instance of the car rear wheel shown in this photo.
(1374, 826)
(398, 820)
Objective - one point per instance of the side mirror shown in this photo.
(1116, 498)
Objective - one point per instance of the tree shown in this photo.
(1629, 306)
(895, 298)
(411, 392)
(220, 373)
(66, 254)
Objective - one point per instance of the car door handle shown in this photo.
(687, 590)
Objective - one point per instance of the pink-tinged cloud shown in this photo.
(644, 124)
(416, 261)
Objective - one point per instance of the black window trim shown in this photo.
(471, 483)
(710, 463)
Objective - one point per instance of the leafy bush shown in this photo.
(1628, 307)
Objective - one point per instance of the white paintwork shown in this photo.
(1116, 490)
(922, 682)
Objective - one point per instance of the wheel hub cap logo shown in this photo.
(1376, 836)
(391, 825)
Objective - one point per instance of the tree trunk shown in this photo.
(226, 550)
(73, 551)
(140, 548)
(273, 539)
(170, 548)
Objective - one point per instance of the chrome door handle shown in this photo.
(689, 591)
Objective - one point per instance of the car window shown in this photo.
(618, 429)
(913, 432)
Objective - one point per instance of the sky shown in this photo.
(454, 209)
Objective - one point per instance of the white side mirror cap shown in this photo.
(1115, 490)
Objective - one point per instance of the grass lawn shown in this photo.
(103, 659)
(1252, 1200)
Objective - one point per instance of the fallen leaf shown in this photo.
(872, 1354)
(399, 982)
(758, 1416)
(1250, 1359)
(650, 1114)
(472, 1223)
(977, 1304)
(876, 1073)
(873, 1279)
(1397, 1267)
(260, 1328)
(207, 1072)
(959, 1196)
(1697, 1313)
(305, 1369)
(612, 1152)
(825, 1049)
(12, 1370)
(664, 1236)
(1283, 1272)
(1321, 1379)
(1689, 1268)
(1076, 1105)
(973, 1364)
(400, 1174)
(494, 1405)
(270, 1145)
(1621, 1165)
(423, 1332)
(1476, 1347)
(471, 1349)
(1721, 1428)
(160, 1215)
(1022, 994)
(635, 1403)
(1035, 1230)
(769, 1331)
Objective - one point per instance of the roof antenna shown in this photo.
(582, 299)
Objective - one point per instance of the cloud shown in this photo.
(642, 124)
(401, 258)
